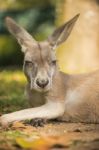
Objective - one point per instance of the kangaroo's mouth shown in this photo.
(39, 89)
(46, 89)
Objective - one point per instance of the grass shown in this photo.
(12, 85)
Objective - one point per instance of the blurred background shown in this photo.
(79, 54)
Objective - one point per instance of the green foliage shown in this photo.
(9, 53)
(23, 4)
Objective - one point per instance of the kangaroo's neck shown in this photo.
(59, 84)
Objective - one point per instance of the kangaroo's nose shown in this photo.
(42, 83)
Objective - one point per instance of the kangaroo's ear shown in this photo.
(18, 32)
(62, 33)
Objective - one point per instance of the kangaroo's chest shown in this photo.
(73, 98)
(35, 98)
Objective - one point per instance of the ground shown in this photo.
(54, 135)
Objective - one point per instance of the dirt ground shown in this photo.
(54, 136)
(85, 136)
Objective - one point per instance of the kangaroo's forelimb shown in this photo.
(50, 110)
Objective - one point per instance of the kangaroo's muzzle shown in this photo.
(42, 83)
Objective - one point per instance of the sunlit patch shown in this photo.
(8, 76)
(12, 85)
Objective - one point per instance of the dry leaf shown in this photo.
(32, 144)
(25, 128)
(43, 143)
(18, 125)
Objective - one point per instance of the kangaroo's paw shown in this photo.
(38, 122)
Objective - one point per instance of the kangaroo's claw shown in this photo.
(38, 122)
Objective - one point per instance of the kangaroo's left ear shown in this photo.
(62, 33)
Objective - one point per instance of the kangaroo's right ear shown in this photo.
(19, 33)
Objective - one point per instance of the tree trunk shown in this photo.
(80, 53)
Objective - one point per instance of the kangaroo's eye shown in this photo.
(53, 62)
(28, 63)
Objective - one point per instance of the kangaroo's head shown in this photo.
(39, 57)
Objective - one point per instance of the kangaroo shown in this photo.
(52, 93)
